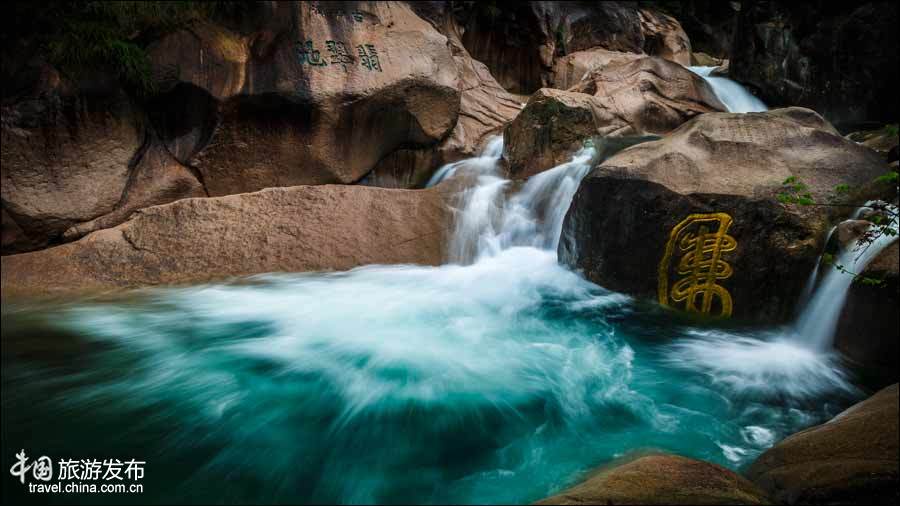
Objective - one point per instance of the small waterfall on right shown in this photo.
(816, 324)
(735, 97)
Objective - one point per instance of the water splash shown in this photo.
(490, 220)
(735, 97)
(498, 381)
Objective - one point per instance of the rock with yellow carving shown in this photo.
(693, 220)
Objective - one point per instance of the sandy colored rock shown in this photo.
(313, 94)
(664, 37)
(620, 223)
(662, 479)
(485, 108)
(851, 459)
(634, 98)
(570, 69)
(65, 159)
(705, 60)
(302, 228)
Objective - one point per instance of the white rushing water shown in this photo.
(735, 97)
(489, 220)
(498, 378)
(818, 321)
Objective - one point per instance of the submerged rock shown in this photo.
(628, 98)
(852, 459)
(302, 228)
(662, 479)
(692, 220)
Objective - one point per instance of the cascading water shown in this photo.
(818, 321)
(489, 223)
(501, 377)
(734, 96)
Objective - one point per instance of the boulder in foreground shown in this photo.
(302, 228)
(852, 459)
(662, 479)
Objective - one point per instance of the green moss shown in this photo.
(85, 37)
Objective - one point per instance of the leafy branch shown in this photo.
(883, 217)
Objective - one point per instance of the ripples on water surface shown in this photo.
(501, 381)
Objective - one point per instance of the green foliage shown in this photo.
(795, 192)
(883, 219)
(891, 130)
(83, 37)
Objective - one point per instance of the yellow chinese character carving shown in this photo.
(700, 240)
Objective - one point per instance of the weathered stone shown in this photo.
(705, 60)
(664, 37)
(626, 211)
(569, 70)
(65, 159)
(485, 108)
(852, 459)
(662, 479)
(303, 228)
(303, 99)
(625, 99)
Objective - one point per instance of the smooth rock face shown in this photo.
(852, 459)
(664, 37)
(569, 70)
(484, 109)
(632, 226)
(632, 98)
(303, 228)
(868, 332)
(831, 57)
(305, 93)
(65, 160)
(662, 479)
(315, 94)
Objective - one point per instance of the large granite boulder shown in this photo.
(662, 479)
(302, 228)
(693, 219)
(851, 459)
(627, 98)
(316, 93)
(67, 157)
(297, 93)
(839, 58)
(664, 37)
(570, 69)
(484, 109)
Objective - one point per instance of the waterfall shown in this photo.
(735, 97)
(489, 220)
(818, 321)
